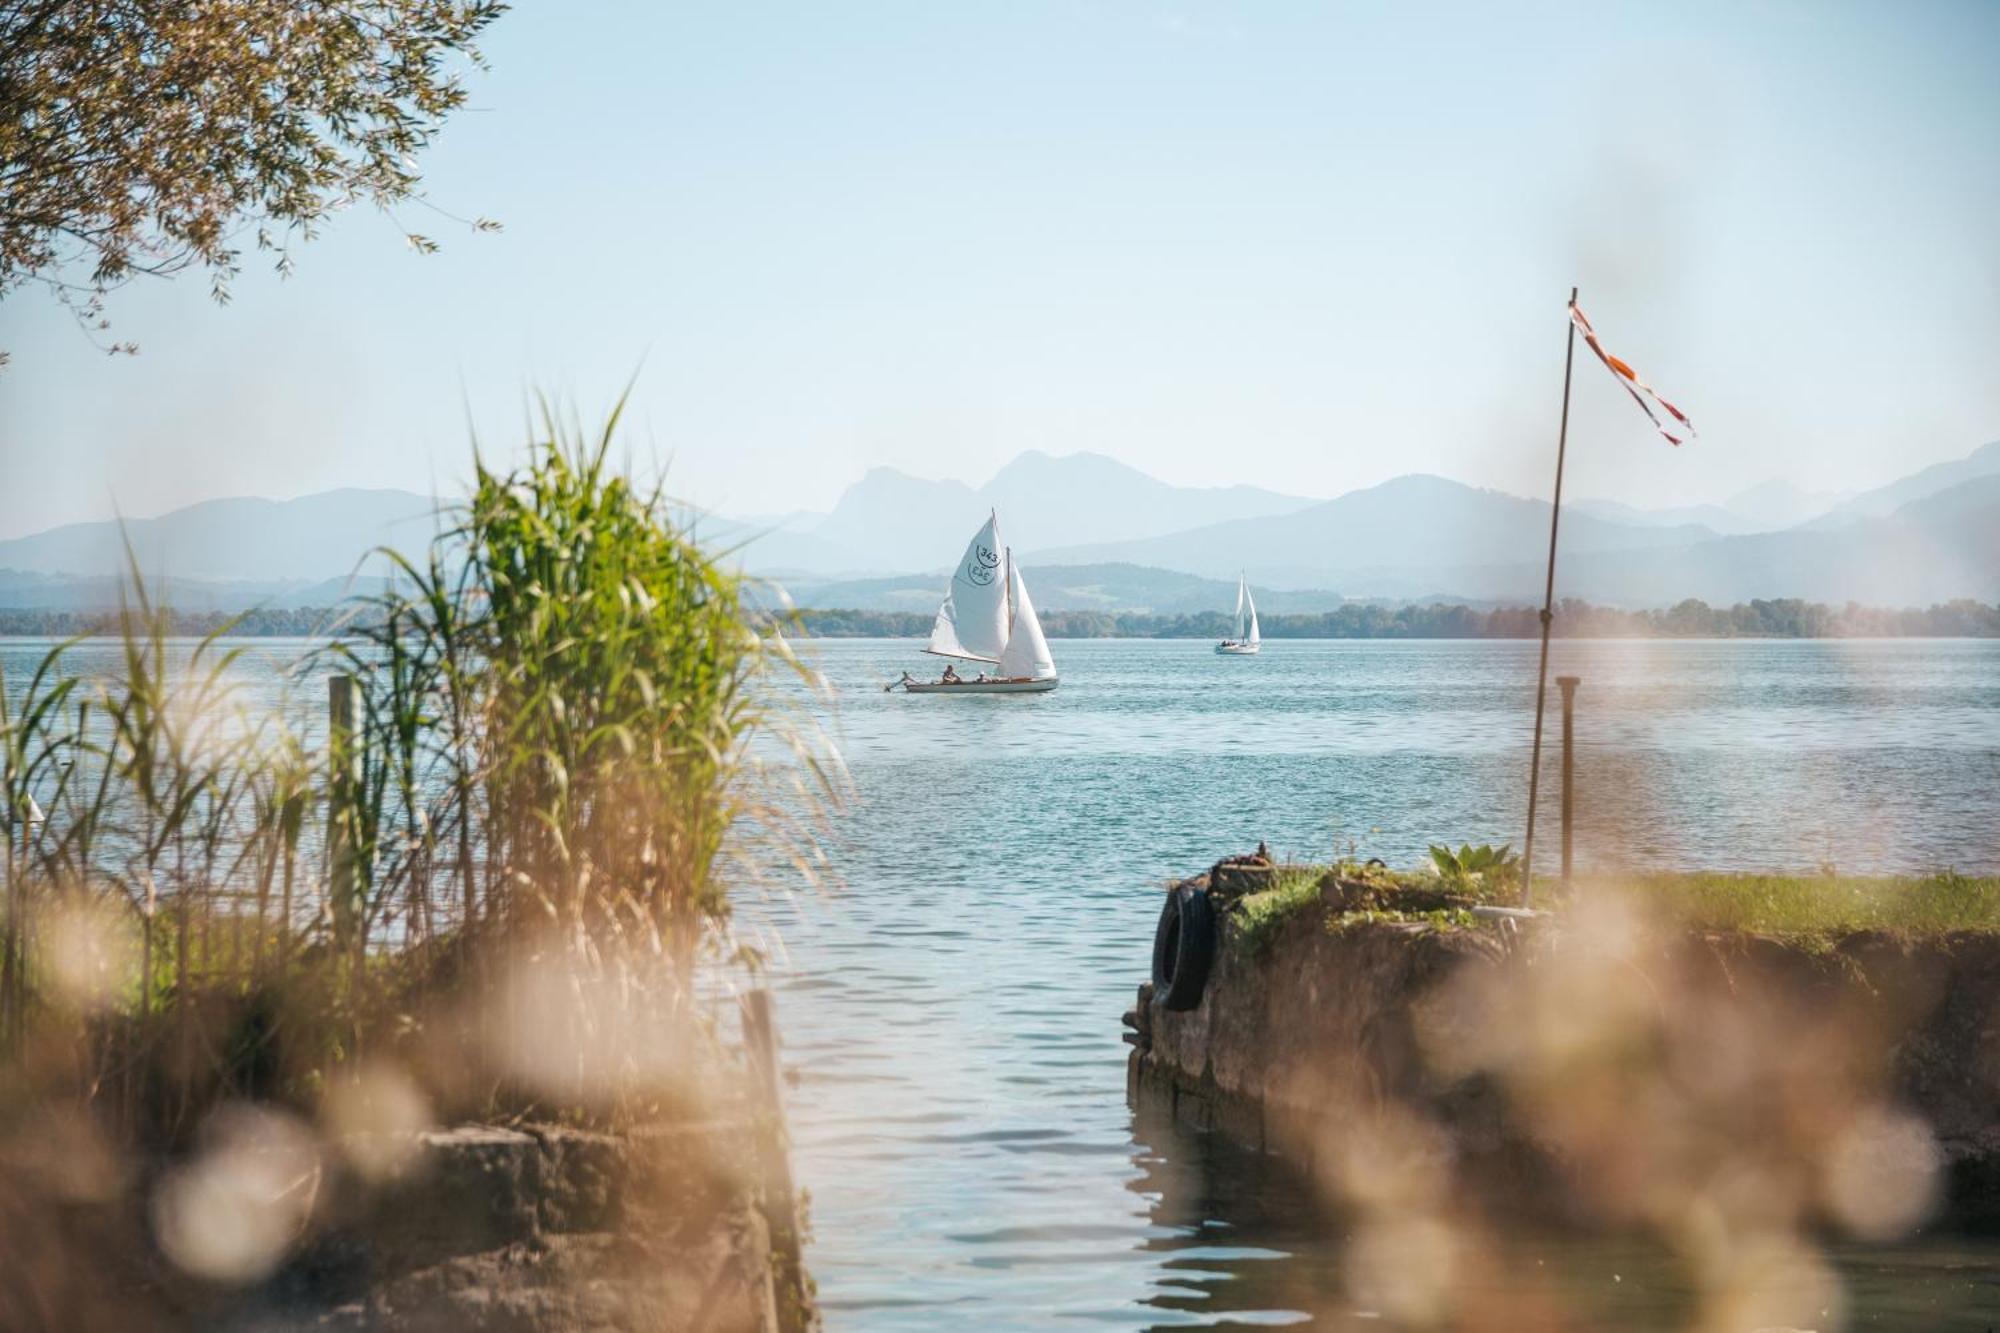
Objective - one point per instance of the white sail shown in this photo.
(1027, 654)
(1242, 594)
(972, 623)
(1251, 602)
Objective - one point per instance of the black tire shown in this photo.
(1183, 947)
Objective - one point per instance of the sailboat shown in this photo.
(1242, 644)
(987, 617)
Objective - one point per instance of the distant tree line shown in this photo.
(1780, 618)
(297, 623)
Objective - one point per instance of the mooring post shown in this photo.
(1568, 684)
(10, 966)
(31, 819)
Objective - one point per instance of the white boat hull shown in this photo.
(1236, 649)
(980, 686)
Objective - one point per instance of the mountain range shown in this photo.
(889, 521)
(272, 542)
(1096, 534)
(1766, 507)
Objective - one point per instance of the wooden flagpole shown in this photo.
(1548, 615)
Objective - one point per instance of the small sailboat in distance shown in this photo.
(987, 617)
(1245, 641)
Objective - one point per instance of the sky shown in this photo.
(1304, 246)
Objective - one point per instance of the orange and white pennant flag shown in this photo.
(1644, 394)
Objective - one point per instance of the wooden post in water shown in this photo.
(760, 1040)
(1548, 615)
(12, 1022)
(340, 793)
(1568, 684)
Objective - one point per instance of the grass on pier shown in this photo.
(1782, 905)
(1384, 895)
(1292, 889)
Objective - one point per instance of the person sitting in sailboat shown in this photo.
(950, 676)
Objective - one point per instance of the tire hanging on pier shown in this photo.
(1183, 947)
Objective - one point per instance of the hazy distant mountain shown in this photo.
(1941, 547)
(1414, 524)
(1776, 505)
(1048, 501)
(271, 541)
(1066, 588)
(1779, 504)
(1154, 547)
(766, 546)
(1714, 517)
(1934, 549)
(1939, 477)
(890, 520)
(23, 590)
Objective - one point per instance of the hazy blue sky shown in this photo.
(1309, 246)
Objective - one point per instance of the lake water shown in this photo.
(952, 1009)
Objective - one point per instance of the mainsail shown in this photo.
(1246, 607)
(972, 623)
(1027, 654)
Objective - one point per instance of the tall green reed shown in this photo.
(563, 713)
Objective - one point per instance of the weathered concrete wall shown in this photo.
(542, 1228)
(1569, 1062)
(546, 1228)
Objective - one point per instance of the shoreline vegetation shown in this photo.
(486, 789)
(491, 894)
(1778, 618)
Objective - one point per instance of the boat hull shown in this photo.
(980, 686)
(1236, 649)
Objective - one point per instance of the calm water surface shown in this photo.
(952, 1009)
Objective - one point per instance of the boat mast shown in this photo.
(1010, 595)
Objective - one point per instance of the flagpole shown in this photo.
(1548, 615)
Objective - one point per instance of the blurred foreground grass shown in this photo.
(1808, 905)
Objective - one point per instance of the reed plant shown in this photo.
(558, 721)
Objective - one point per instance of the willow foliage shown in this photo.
(142, 137)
